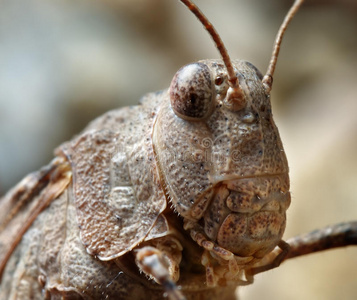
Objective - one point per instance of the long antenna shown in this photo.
(268, 78)
(234, 94)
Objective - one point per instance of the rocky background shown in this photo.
(63, 63)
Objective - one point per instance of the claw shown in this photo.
(154, 264)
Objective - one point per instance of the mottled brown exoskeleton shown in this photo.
(189, 189)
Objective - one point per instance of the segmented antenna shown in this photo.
(234, 93)
(268, 78)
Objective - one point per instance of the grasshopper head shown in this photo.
(205, 145)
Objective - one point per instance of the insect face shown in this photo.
(221, 167)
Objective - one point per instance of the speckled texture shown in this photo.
(140, 175)
(316, 121)
(228, 145)
(238, 155)
(52, 263)
(117, 202)
(191, 92)
(29, 187)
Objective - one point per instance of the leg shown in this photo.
(333, 236)
(216, 250)
(35, 192)
(271, 261)
(160, 261)
(222, 266)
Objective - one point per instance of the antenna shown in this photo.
(268, 78)
(235, 96)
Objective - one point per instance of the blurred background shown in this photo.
(63, 63)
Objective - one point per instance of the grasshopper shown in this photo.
(203, 214)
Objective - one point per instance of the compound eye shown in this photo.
(192, 92)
